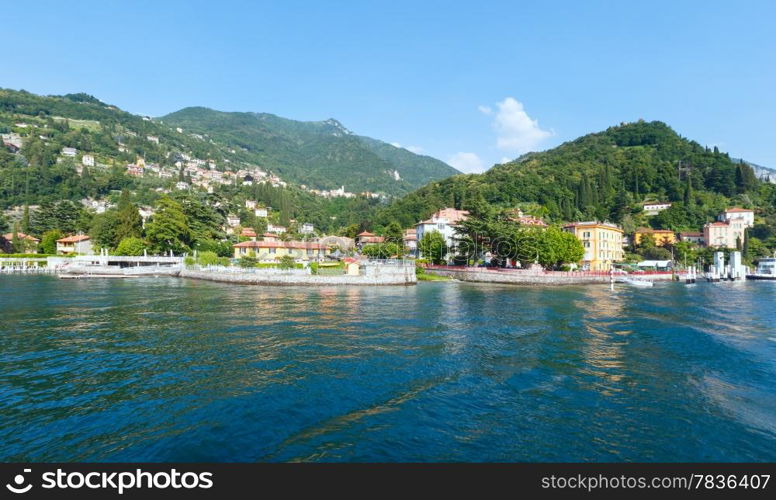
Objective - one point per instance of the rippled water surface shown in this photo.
(178, 370)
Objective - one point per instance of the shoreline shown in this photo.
(532, 277)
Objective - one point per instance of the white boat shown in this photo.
(766, 270)
(637, 282)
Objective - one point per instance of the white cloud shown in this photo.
(466, 162)
(505, 159)
(516, 131)
(485, 110)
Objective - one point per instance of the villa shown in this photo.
(444, 222)
(270, 249)
(79, 244)
(602, 242)
(662, 237)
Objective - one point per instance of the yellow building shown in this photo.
(270, 249)
(662, 237)
(602, 242)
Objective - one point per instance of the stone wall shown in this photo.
(530, 276)
(371, 275)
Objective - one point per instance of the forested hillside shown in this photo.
(606, 176)
(320, 154)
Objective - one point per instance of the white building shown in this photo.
(307, 228)
(232, 220)
(738, 213)
(71, 152)
(87, 160)
(271, 228)
(655, 208)
(444, 222)
(250, 204)
(261, 212)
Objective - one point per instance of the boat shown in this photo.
(636, 282)
(766, 270)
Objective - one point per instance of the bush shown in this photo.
(189, 261)
(286, 262)
(130, 246)
(248, 261)
(314, 267)
(207, 258)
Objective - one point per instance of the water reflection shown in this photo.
(167, 369)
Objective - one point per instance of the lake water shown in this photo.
(179, 370)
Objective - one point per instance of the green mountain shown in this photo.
(606, 175)
(322, 155)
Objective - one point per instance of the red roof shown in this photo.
(73, 239)
(9, 237)
(649, 230)
(738, 210)
(451, 214)
(365, 233)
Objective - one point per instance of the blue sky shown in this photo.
(471, 83)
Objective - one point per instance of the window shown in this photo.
(272, 250)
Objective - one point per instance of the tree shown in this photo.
(380, 250)
(394, 234)
(129, 223)
(432, 246)
(130, 246)
(168, 229)
(16, 241)
(48, 242)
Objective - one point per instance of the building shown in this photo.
(727, 234)
(248, 232)
(307, 228)
(656, 207)
(692, 237)
(602, 242)
(87, 160)
(29, 243)
(518, 216)
(71, 152)
(135, 170)
(232, 220)
(662, 237)
(272, 228)
(261, 212)
(444, 222)
(367, 238)
(738, 213)
(250, 204)
(410, 240)
(270, 249)
(79, 244)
